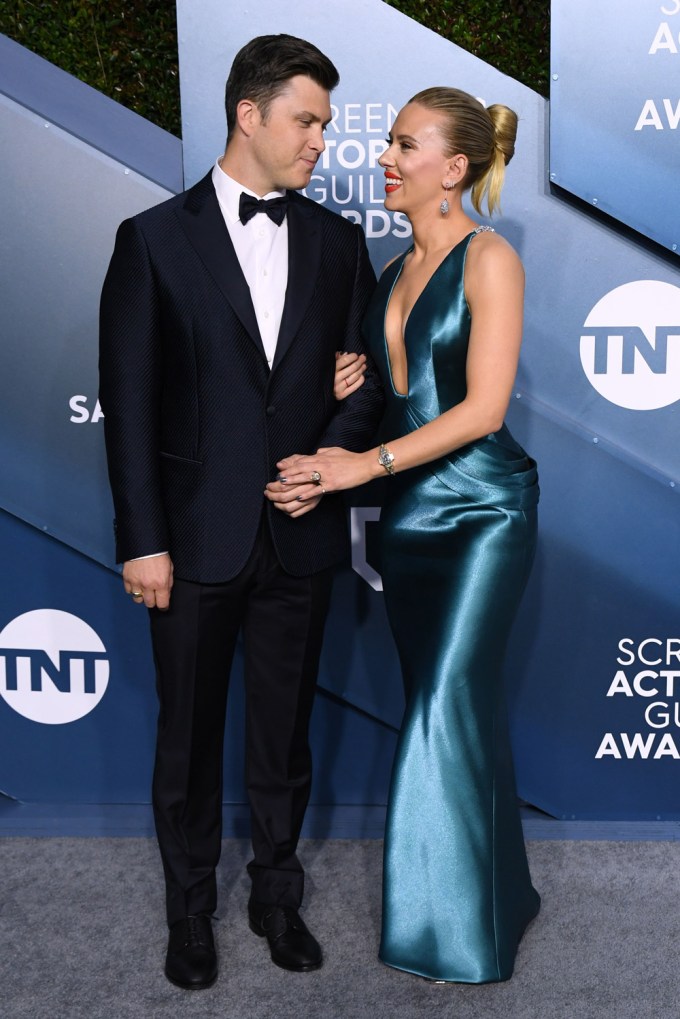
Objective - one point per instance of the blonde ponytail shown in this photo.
(490, 183)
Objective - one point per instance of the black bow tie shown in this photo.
(275, 208)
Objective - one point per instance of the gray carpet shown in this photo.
(82, 935)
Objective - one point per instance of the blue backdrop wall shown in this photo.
(593, 672)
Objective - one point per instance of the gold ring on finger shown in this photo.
(315, 477)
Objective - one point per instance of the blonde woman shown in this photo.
(458, 534)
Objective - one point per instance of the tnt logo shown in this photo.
(53, 666)
(630, 345)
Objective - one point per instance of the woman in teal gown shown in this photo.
(458, 533)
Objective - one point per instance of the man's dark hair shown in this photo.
(263, 67)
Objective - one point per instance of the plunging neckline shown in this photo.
(404, 396)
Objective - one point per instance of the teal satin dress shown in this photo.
(457, 542)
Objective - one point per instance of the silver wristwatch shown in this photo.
(386, 459)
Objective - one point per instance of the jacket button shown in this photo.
(271, 410)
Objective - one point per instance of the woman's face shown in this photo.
(415, 164)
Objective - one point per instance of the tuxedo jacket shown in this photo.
(195, 421)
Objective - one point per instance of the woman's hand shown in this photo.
(298, 485)
(349, 373)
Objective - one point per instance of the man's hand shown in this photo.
(295, 500)
(149, 580)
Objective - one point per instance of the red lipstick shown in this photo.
(390, 187)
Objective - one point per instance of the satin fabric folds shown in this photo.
(457, 543)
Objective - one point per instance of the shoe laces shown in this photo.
(287, 917)
(195, 928)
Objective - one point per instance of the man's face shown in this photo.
(287, 143)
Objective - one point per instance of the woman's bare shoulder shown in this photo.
(492, 266)
(489, 250)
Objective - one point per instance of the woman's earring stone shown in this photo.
(444, 205)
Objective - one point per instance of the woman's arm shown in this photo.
(494, 287)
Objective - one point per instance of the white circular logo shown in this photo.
(53, 666)
(630, 345)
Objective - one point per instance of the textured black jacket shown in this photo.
(194, 419)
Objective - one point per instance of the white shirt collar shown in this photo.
(228, 192)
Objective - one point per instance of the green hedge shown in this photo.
(128, 48)
(512, 35)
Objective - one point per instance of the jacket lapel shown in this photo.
(304, 257)
(204, 225)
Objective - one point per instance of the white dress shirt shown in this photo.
(262, 250)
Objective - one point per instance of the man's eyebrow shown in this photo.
(314, 117)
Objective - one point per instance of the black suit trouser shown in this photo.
(282, 620)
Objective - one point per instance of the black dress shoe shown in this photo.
(191, 961)
(290, 943)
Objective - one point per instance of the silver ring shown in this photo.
(315, 477)
(323, 491)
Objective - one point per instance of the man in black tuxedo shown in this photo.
(221, 313)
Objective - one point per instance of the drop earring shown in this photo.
(444, 204)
